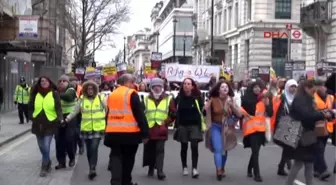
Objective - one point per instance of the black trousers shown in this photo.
(194, 154)
(23, 110)
(122, 162)
(255, 143)
(65, 142)
(154, 151)
(286, 157)
(320, 165)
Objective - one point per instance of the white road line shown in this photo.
(299, 182)
(15, 144)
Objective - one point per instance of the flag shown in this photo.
(272, 74)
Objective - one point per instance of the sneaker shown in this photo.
(185, 172)
(195, 173)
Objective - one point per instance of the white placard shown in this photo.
(201, 73)
(28, 27)
(174, 94)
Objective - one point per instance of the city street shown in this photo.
(20, 161)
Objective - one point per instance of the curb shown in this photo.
(14, 137)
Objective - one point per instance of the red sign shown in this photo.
(289, 26)
(275, 34)
(296, 34)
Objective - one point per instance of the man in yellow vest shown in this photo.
(92, 127)
(65, 137)
(324, 102)
(159, 110)
(21, 99)
(126, 128)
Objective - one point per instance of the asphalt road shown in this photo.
(20, 163)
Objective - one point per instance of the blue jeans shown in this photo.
(92, 146)
(218, 145)
(44, 145)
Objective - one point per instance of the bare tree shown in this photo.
(92, 23)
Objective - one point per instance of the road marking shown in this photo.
(299, 182)
(15, 144)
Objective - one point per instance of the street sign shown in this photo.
(289, 26)
(296, 34)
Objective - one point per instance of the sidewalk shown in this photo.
(10, 127)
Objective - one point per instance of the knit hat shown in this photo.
(73, 78)
(65, 78)
(22, 79)
(156, 82)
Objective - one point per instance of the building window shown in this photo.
(225, 21)
(184, 24)
(279, 54)
(179, 43)
(283, 9)
(219, 27)
(229, 18)
(236, 15)
(247, 53)
(215, 24)
(235, 55)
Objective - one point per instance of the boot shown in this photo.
(60, 166)
(161, 175)
(219, 174)
(48, 167)
(281, 171)
(92, 174)
(289, 164)
(81, 150)
(257, 178)
(324, 176)
(43, 172)
(72, 163)
(223, 172)
(150, 172)
(249, 172)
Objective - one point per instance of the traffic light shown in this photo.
(73, 67)
(94, 64)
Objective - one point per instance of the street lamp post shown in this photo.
(157, 34)
(174, 38)
(124, 49)
(212, 28)
(184, 47)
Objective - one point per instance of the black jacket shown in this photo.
(302, 110)
(112, 139)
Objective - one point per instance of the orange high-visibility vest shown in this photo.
(79, 91)
(276, 101)
(120, 117)
(323, 105)
(257, 123)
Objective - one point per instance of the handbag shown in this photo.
(288, 132)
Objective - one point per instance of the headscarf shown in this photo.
(289, 96)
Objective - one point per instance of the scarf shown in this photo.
(289, 96)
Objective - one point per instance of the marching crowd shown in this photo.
(297, 116)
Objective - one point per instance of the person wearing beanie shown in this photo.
(65, 137)
(21, 99)
(159, 111)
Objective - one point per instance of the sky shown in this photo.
(139, 19)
